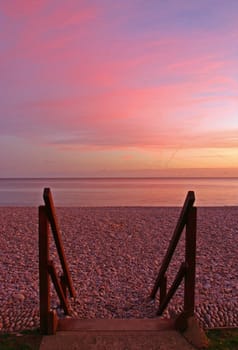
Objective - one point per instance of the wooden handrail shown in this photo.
(50, 209)
(188, 218)
(174, 241)
(178, 279)
(58, 287)
(47, 219)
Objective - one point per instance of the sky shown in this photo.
(118, 88)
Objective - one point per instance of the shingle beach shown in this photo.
(114, 254)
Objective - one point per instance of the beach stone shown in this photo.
(19, 296)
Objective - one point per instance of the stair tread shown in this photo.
(106, 325)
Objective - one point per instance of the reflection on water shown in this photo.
(120, 191)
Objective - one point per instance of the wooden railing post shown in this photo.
(188, 219)
(190, 259)
(178, 279)
(43, 270)
(174, 241)
(50, 208)
(163, 289)
(63, 284)
(47, 219)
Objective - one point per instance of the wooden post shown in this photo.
(52, 322)
(163, 289)
(190, 259)
(43, 270)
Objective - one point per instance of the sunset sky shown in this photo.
(118, 88)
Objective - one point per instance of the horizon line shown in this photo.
(116, 177)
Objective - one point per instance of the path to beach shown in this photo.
(114, 255)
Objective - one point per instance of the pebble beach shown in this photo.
(114, 255)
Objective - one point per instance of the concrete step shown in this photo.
(115, 334)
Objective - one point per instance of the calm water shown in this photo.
(120, 191)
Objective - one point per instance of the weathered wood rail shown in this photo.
(186, 272)
(47, 269)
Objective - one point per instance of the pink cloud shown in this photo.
(88, 70)
(158, 117)
(133, 124)
(82, 85)
(123, 61)
(53, 28)
(25, 8)
(138, 139)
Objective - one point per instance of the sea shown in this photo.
(104, 192)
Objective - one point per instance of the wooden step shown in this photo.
(115, 334)
(120, 325)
